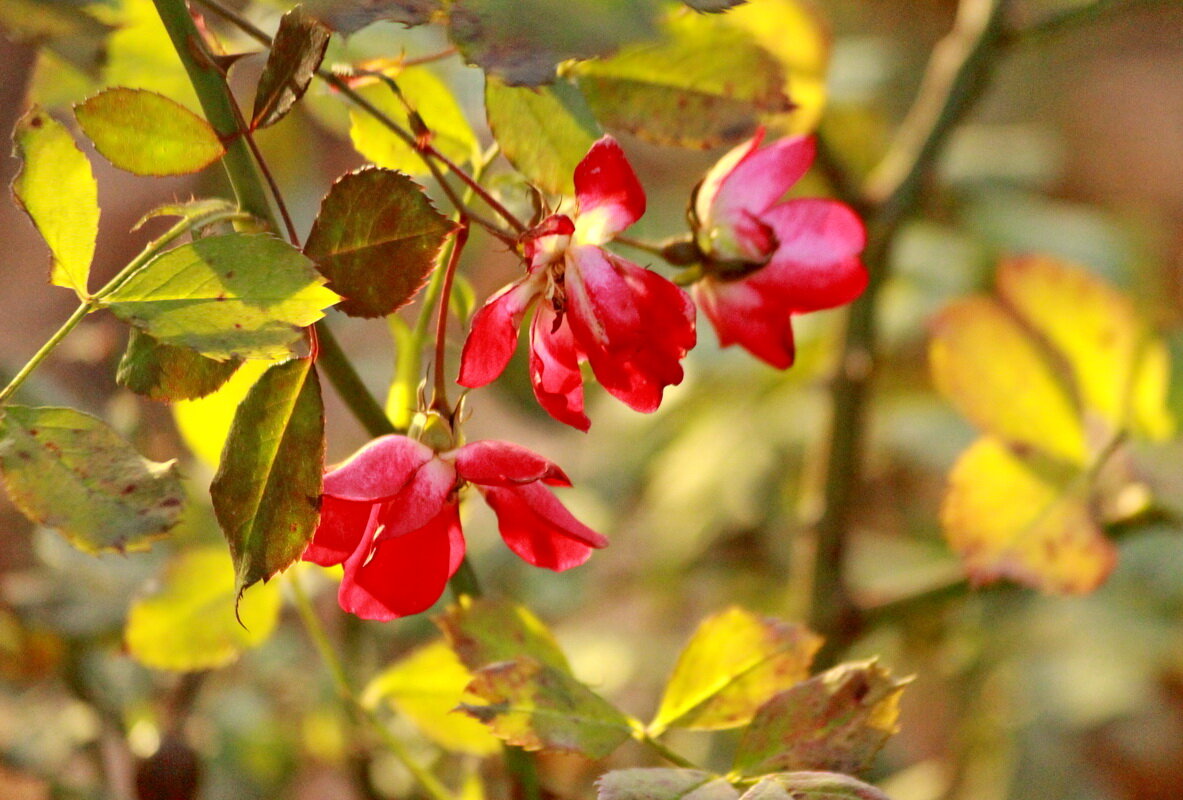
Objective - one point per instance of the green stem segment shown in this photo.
(957, 72)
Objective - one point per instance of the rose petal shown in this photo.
(554, 369)
(536, 526)
(708, 189)
(494, 463)
(404, 575)
(494, 333)
(377, 471)
(743, 315)
(428, 490)
(610, 196)
(343, 524)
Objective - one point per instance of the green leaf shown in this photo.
(1026, 519)
(704, 84)
(812, 786)
(537, 707)
(663, 784)
(147, 133)
(204, 423)
(350, 16)
(482, 631)
(266, 493)
(521, 41)
(713, 6)
(296, 52)
(189, 619)
(245, 295)
(433, 100)
(732, 665)
(544, 132)
(200, 213)
(426, 687)
(168, 373)
(57, 189)
(69, 471)
(836, 721)
(376, 239)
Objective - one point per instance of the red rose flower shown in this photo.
(390, 515)
(632, 325)
(767, 260)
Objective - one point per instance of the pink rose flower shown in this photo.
(768, 260)
(632, 325)
(390, 515)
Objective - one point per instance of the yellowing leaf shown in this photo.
(796, 35)
(732, 665)
(987, 365)
(148, 133)
(428, 95)
(57, 189)
(836, 721)
(141, 55)
(1009, 517)
(205, 423)
(187, 621)
(1120, 369)
(482, 631)
(426, 687)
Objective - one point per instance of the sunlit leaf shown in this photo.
(376, 239)
(812, 786)
(538, 707)
(198, 213)
(186, 620)
(732, 665)
(426, 687)
(167, 373)
(296, 52)
(140, 54)
(205, 423)
(57, 189)
(704, 84)
(663, 784)
(1120, 369)
(245, 295)
(1017, 518)
(483, 631)
(148, 133)
(69, 471)
(433, 100)
(836, 721)
(544, 132)
(350, 16)
(62, 25)
(989, 367)
(521, 41)
(267, 491)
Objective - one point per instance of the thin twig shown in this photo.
(440, 400)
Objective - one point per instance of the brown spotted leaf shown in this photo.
(169, 373)
(296, 52)
(483, 630)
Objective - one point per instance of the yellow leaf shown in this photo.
(1030, 522)
(988, 366)
(205, 423)
(427, 686)
(187, 621)
(1120, 369)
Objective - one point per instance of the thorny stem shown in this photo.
(958, 70)
(328, 655)
(440, 401)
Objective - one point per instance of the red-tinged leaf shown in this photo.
(57, 189)
(521, 41)
(812, 786)
(169, 373)
(350, 16)
(376, 239)
(1026, 519)
(836, 721)
(538, 707)
(663, 784)
(705, 83)
(296, 52)
(732, 665)
(544, 132)
(482, 631)
(147, 133)
(266, 493)
(67, 470)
